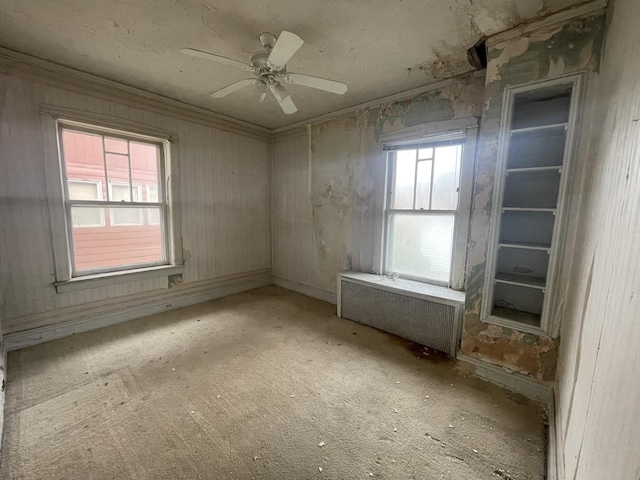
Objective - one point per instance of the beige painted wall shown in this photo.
(598, 393)
(224, 180)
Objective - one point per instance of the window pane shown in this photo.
(120, 192)
(117, 171)
(116, 145)
(84, 190)
(125, 216)
(425, 153)
(114, 246)
(153, 215)
(83, 159)
(144, 165)
(83, 217)
(405, 176)
(445, 178)
(421, 246)
(423, 184)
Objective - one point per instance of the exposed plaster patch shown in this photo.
(346, 165)
(456, 101)
(447, 67)
(508, 51)
(523, 353)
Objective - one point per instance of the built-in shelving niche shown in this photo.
(531, 182)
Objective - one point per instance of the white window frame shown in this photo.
(98, 185)
(148, 191)
(464, 131)
(134, 187)
(53, 118)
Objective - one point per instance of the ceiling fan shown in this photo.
(269, 65)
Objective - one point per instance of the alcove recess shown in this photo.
(530, 186)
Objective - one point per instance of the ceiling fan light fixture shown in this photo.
(269, 65)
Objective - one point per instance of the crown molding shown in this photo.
(290, 133)
(59, 76)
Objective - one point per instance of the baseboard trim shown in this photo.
(306, 290)
(510, 380)
(3, 388)
(27, 338)
(552, 459)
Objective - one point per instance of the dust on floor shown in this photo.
(267, 384)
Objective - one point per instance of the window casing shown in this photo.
(122, 163)
(432, 213)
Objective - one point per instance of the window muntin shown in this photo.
(423, 198)
(120, 165)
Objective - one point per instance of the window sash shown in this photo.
(389, 211)
(68, 203)
(389, 244)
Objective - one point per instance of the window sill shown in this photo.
(114, 278)
(408, 287)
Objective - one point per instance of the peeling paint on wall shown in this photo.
(348, 167)
(455, 101)
(568, 48)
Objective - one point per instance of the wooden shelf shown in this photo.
(522, 209)
(517, 316)
(552, 168)
(521, 280)
(539, 128)
(526, 245)
(530, 190)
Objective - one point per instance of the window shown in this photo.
(86, 190)
(121, 192)
(153, 217)
(103, 176)
(423, 199)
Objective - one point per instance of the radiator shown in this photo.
(426, 314)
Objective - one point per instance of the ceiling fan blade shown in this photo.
(316, 82)
(224, 91)
(286, 46)
(284, 99)
(215, 58)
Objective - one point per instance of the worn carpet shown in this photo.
(267, 384)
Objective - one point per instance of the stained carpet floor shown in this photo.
(247, 387)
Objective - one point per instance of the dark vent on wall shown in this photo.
(477, 55)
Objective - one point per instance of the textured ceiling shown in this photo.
(377, 47)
